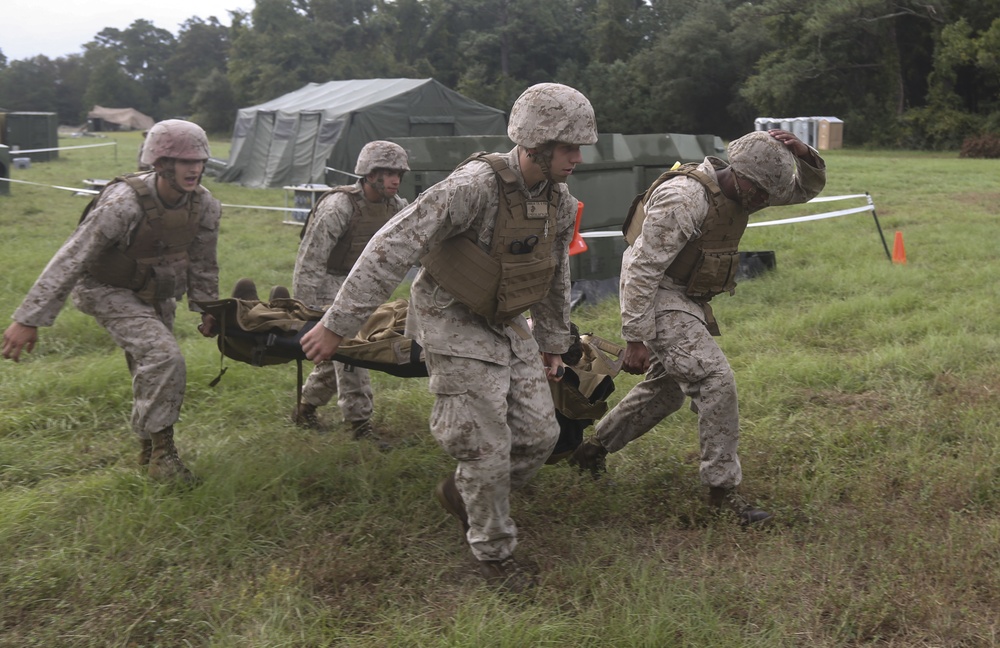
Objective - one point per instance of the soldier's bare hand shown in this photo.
(794, 144)
(320, 343)
(17, 337)
(554, 367)
(636, 358)
(209, 327)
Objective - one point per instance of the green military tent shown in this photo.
(295, 138)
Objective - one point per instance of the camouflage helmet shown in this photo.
(766, 162)
(175, 138)
(551, 112)
(381, 155)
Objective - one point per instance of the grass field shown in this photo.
(870, 401)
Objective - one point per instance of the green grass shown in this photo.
(869, 397)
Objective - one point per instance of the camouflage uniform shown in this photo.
(493, 410)
(313, 284)
(685, 359)
(143, 331)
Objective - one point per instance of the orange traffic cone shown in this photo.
(898, 251)
(577, 245)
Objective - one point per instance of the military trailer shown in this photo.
(613, 171)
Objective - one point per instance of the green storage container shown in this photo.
(27, 131)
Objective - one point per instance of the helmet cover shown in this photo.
(552, 112)
(381, 155)
(766, 162)
(175, 138)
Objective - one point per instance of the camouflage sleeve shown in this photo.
(327, 225)
(674, 215)
(449, 207)
(109, 223)
(550, 317)
(810, 177)
(203, 265)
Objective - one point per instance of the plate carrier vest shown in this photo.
(367, 219)
(161, 238)
(501, 284)
(707, 265)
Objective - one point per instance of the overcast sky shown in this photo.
(60, 27)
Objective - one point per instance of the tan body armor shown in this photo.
(707, 265)
(510, 278)
(158, 249)
(367, 219)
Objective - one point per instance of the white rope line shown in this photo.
(797, 219)
(592, 234)
(602, 234)
(38, 184)
(97, 191)
(349, 175)
(60, 148)
(832, 198)
(289, 209)
(802, 219)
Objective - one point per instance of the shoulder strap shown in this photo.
(636, 216)
(353, 192)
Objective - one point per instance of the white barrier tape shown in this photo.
(349, 175)
(832, 198)
(60, 148)
(97, 191)
(798, 219)
(38, 184)
(290, 209)
(802, 219)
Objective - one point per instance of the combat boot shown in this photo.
(364, 430)
(304, 415)
(507, 575)
(449, 497)
(164, 463)
(728, 499)
(590, 455)
(246, 290)
(145, 450)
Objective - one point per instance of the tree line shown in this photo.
(900, 73)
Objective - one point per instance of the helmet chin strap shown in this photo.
(169, 173)
(543, 158)
(378, 184)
